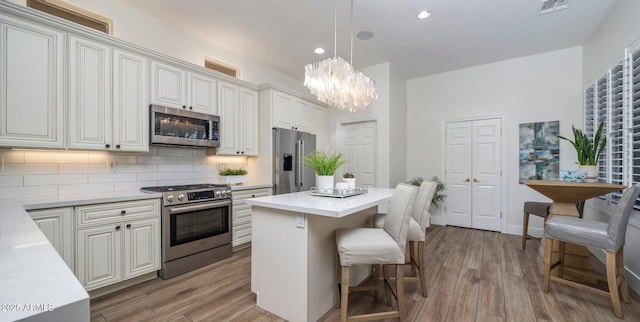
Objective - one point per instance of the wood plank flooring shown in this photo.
(473, 275)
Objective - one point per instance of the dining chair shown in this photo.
(540, 209)
(417, 234)
(377, 246)
(609, 237)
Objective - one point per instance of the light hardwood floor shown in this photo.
(473, 276)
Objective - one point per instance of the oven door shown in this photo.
(190, 229)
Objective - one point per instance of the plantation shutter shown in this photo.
(635, 121)
(617, 130)
(601, 110)
(589, 108)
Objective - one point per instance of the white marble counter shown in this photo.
(304, 202)
(35, 282)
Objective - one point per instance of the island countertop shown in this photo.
(304, 202)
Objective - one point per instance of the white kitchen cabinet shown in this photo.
(174, 86)
(31, 85)
(90, 94)
(130, 101)
(57, 225)
(290, 112)
(241, 214)
(117, 241)
(238, 108)
(95, 121)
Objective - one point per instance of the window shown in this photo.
(615, 100)
(219, 67)
(70, 12)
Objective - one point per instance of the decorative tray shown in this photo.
(338, 193)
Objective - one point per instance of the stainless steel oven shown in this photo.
(196, 226)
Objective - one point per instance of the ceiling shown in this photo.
(460, 33)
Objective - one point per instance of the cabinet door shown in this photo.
(202, 94)
(141, 247)
(57, 226)
(248, 122)
(301, 115)
(99, 256)
(167, 85)
(241, 214)
(228, 108)
(90, 94)
(316, 127)
(282, 110)
(131, 103)
(31, 85)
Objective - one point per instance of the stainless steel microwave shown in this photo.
(172, 126)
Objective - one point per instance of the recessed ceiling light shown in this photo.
(319, 50)
(424, 14)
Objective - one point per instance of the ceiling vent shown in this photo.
(549, 6)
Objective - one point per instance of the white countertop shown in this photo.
(304, 202)
(34, 279)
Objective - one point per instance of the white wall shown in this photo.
(168, 38)
(398, 129)
(378, 111)
(544, 87)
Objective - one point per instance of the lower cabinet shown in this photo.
(57, 225)
(241, 214)
(117, 241)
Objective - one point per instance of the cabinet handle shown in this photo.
(118, 227)
(190, 107)
(476, 180)
(237, 152)
(128, 225)
(253, 196)
(117, 146)
(107, 146)
(242, 152)
(184, 106)
(123, 212)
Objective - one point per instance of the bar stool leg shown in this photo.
(400, 290)
(385, 276)
(525, 227)
(423, 273)
(344, 301)
(613, 284)
(548, 245)
(624, 289)
(561, 252)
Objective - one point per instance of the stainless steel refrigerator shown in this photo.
(290, 173)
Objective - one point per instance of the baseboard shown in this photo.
(93, 294)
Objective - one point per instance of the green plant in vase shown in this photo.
(325, 165)
(588, 150)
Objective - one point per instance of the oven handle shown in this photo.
(181, 210)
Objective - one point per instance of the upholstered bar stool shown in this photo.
(417, 234)
(540, 209)
(609, 237)
(377, 246)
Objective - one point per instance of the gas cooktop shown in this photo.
(185, 187)
(183, 194)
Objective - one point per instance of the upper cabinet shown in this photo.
(290, 112)
(176, 87)
(31, 85)
(238, 120)
(106, 113)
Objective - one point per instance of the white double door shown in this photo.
(473, 174)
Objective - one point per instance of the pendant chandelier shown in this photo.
(336, 82)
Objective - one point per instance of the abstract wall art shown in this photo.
(539, 151)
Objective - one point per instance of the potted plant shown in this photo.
(349, 178)
(233, 176)
(438, 195)
(588, 150)
(325, 166)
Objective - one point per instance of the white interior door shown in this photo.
(360, 151)
(473, 174)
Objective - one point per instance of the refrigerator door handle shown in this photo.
(300, 163)
(296, 174)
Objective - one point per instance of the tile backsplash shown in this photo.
(26, 173)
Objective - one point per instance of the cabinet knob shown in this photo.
(476, 180)
(118, 227)
(123, 212)
(242, 152)
(107, 146)
(253, 196)
(184, 106)
(117, 146)
(237, 152)
(128, 225)
(190, 107)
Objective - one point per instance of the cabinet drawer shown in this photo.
(240, 196)
(116, 212)
(242, 216)
(241, 234)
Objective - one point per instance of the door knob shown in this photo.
(467, 180)
(476, 180)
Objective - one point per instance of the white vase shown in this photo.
(233, 180)
(591, 170)
(325, 182)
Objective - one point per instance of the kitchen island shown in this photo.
(293, 251)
